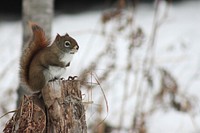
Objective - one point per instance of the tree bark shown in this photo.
(66, 112)
(58, 110)
(40, 12)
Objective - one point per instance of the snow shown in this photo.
(177, 50)
(177, 122)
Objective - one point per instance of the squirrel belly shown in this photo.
(55, 72)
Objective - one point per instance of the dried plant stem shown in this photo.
(147, 64)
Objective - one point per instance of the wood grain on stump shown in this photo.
(60, 110)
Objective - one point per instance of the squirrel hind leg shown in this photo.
(37, 85)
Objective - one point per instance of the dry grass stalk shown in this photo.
(100, 126)
(169, 88)
(123, 27)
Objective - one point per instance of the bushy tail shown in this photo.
(37, 43)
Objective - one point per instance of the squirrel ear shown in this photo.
(58, 36)
(66, 34)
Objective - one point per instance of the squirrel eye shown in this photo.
(67, 44)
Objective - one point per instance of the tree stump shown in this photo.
(59, 110)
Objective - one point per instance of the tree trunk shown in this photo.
(65, 109)
(40, 12)
(58, 110)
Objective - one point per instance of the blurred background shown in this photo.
(138, 61)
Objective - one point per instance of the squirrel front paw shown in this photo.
(72, 78)
(62, 78)
(54, 79)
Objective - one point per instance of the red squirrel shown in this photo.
(41, 62)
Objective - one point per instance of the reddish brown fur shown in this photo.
(39, 37)
(38, 42)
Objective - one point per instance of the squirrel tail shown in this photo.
(37, 43)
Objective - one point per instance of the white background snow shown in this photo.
(177, 49)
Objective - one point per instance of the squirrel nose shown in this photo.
(76, 47)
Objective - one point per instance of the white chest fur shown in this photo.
(66, 58)
(55, 71)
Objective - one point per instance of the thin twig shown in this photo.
(8, 113)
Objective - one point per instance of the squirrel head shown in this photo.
(66, 44)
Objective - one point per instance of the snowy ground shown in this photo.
(177, 49)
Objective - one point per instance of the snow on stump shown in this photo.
(60, 110)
